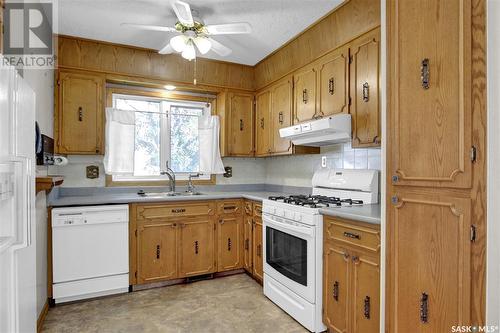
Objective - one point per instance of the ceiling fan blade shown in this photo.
(166, 50)
(219, 48)
(183, 12)
(149, 27)
(229, 29)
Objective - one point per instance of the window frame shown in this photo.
(162, 97)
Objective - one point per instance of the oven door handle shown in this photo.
(285, 226)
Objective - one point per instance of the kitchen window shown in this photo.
(166, 131)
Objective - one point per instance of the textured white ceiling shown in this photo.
(274, 22)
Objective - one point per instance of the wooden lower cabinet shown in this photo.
(351, 277)
(258, 257)
(196, 247)
(157, 252)
(230, 243)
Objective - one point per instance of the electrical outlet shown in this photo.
(323, 161)
(92, 172)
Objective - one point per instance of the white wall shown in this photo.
(42, 82)
(493, 187)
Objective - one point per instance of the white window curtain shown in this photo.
(210, 159)
(120, 142)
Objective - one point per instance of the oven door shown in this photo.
(289, 255)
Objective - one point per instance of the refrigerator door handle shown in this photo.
(26, 197)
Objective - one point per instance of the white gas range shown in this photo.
(293, 240)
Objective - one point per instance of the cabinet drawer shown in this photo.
(229, 207)
(353, 233)
(257, 209)
(183, 209)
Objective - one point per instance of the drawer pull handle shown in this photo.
(178, 210)
(351, 235)
(229, 207)
(367, 307)
(304, 96)
(331, 86)
(366, 92)
(157, 251)
(336, 291)
(196, 247)
(425, 74)
(80, 113)
(424, 308)
(229, 244)
(241, 124)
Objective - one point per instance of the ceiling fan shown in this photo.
(193, 32)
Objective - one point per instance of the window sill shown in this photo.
(111, 183)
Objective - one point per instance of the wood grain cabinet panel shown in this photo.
(258, 257)
(152, 212)
(365, 93)
(430, 86)
(281, 105)
(232, 207)
(80, 113)
(431, 271)
(196, 247)
(333, 75)
(305, 89)
(157, 252)
(336, 276)
(263, 124)
(248, 244)
(366, 292)
(230, 243)
(241, 129)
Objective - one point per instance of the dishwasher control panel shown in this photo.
(73, 216)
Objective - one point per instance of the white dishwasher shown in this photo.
(89, 251)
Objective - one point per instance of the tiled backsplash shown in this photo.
(279, 170)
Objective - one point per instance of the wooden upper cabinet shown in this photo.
(241, 131)
(80, 113)
(281, 115)
(196, 247)
(430, 92)
(230, 243)
(365, 98)
(157, 252)
(431, 236)
(336, 276)
(333, 75)
(305, 88)
(263, 124)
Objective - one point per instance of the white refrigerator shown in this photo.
(17, 200)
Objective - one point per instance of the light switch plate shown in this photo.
(323, 161)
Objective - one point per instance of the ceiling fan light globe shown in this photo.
(189, 52)
(203, 44)
(178, 43)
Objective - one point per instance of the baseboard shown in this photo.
(41, 316)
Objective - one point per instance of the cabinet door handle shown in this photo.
(229, 244)
(425, 73)
(280, 117)
(336, 291)
(221, 221)
(157, 251)
(241, 124)
(351, 235)
(331, 86)
(259, 250)
(367, 307)
(174, 225)
(366, 92)
(247, 244)
(262, 123)
(196, 247)
(80, 113)
(304, 96)
(424, 308)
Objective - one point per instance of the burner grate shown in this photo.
(315, 201)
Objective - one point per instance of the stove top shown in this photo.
(316, 201)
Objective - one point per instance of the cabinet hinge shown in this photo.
(473, 154)
(350, 100)
(350, 59)
(135, 274)
(473, 233)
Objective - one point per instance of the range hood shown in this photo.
(322, 132)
